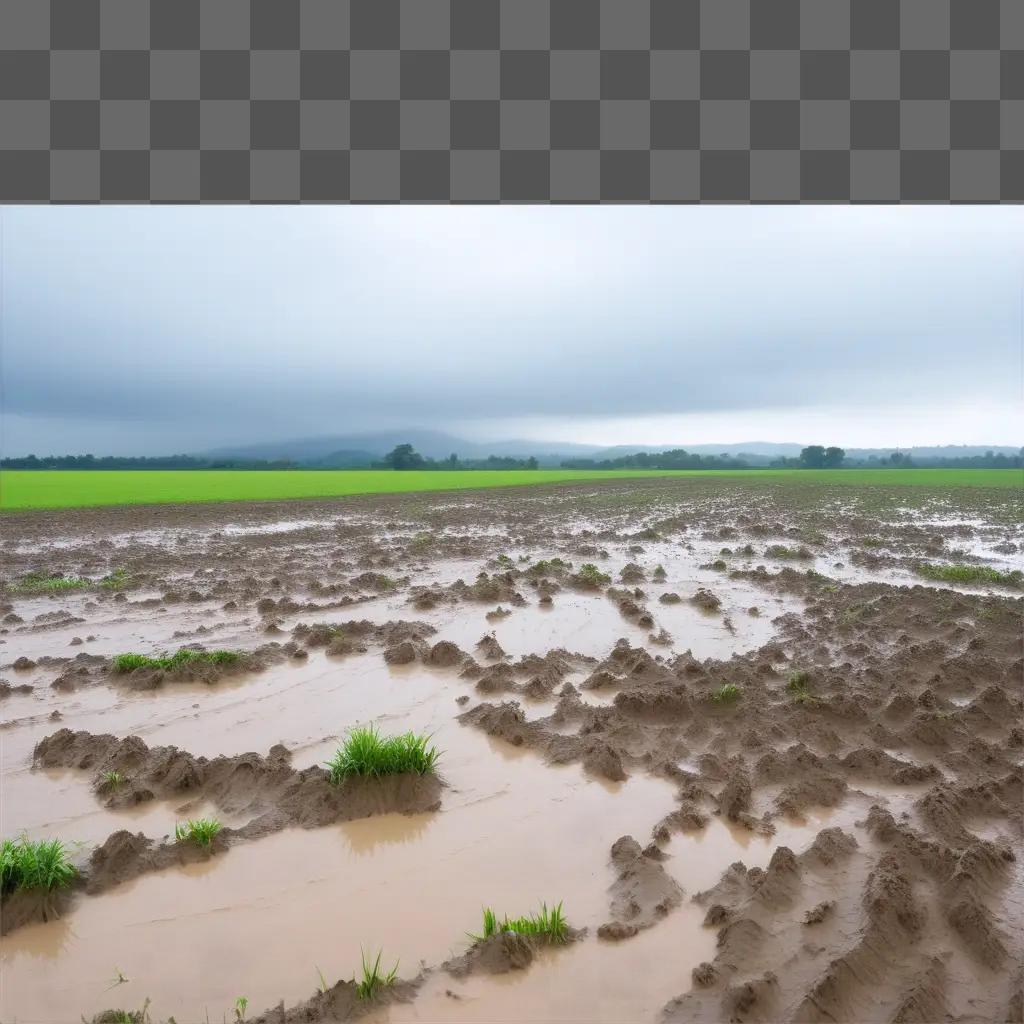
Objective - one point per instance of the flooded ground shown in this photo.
(816, 750)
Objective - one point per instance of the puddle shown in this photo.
(116, 628)
(259, 920)
(588, 623)
(614, 982)
(262, 919)
(60, 804)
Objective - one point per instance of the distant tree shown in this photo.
(834, 457)
(531, 463)
(812, 457)
(403, 456)
(453, 460)
(900, 459)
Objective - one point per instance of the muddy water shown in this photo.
(257, 920)
(111, 629)
(594, 980)
(589, 623)
(307, 706)
(262, 918)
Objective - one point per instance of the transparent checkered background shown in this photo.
(511, 100)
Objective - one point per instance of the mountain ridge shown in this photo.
(360, 448)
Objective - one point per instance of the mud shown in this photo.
(773, 772)
(643, 891)
(266, 791)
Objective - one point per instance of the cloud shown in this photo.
(200, 325)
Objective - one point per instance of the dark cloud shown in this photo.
(197, 326)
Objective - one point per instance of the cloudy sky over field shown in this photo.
(151, 330)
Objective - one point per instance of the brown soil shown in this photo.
(266, 790)
(868, 738)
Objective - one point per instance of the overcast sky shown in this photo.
(150, 330)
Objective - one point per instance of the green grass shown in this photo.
(955, 573)
(117, 579)
(199, 831)
(781, 551)
(26, 489)
(547, 567)
(140, 1016)
(37, 583)
(728, 693)
(365, 752)
(590, 576)
(34, 864)
(546, 924)
(799, 688)
(112, 779)
(186, 656)
(374, 981)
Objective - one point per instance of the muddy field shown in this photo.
(772, 771)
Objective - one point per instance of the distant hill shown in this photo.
(945, 451)
(762, 448)
(361, 449)
(370, 447)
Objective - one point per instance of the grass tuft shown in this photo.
(115, 580)
(112, 779)
(546, 924)
(186, 656)
(960, 573)
(590, 576)
(781, 551)
(374, 981)
(199, 831)
(140, 1016)
(38, 583)
(799, 688)
(727, 693)
(365, 752)
(34, 864)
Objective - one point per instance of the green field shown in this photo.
(35, 489)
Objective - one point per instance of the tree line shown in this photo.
(676, 458)
(404, 456)
(817, 457)
(141, 462)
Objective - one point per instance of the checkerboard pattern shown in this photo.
(511, 100)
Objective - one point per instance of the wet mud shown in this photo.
(771, 771)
